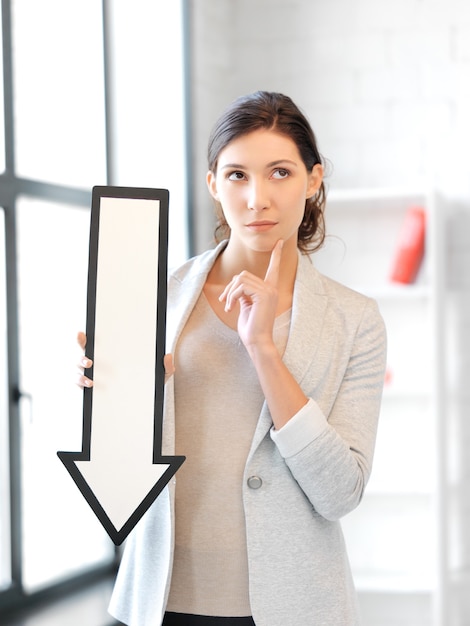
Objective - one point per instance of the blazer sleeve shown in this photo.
(330, 454)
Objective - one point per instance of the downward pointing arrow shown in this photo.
(120, 470)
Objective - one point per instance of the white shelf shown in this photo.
(393, 291)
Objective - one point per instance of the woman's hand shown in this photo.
(258, 301)
(169, 366)
(85, 363)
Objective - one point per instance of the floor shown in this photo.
(85, 607)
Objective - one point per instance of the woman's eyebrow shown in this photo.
(233, 165)
(280, 162)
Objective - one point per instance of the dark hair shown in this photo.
(277, 112)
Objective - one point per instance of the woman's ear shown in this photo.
(211, 185)
(315, 180)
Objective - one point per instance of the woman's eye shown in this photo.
(280, 173)
(236, 176)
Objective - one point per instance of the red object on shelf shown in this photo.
(410, 246)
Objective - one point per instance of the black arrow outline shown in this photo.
(69, 458)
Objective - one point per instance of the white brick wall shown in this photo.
(385, 84)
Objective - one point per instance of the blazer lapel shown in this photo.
(185, 287)
(308, 315)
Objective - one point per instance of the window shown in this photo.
(94, 95)
(59, 92)
(147, 125)
(61, 534)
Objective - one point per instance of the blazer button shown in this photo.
(254, 482)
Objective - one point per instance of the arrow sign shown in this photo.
(120, 470)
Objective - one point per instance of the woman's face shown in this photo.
(262, 185)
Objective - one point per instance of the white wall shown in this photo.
(385, 84)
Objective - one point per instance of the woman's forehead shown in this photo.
(259, 145)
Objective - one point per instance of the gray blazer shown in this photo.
(298, 567)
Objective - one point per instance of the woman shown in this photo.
(274, 401)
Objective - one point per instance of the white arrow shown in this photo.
(121, 470)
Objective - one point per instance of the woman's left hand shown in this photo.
(258, 301)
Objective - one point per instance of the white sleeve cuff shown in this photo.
(305, 426)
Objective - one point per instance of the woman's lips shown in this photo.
(261, 225)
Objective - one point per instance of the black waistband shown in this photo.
(184, 619)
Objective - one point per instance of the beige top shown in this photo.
(210, 572)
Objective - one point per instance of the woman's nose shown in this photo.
(258, 197)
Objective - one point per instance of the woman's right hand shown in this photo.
(82, 380)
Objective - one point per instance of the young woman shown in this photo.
(274, 401)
